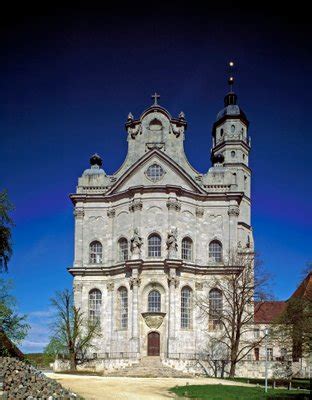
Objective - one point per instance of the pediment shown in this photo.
(155, 169)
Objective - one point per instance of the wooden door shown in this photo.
(153, 344)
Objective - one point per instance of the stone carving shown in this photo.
(177, 130)
(79, 212)
(136, 205)
(181, 115)
(134, 282)
(77, 287)
(199, 212)
(153, 320)
(172, 243)
(233, 211)
(111, 212)
(173, 204)
(173, 281)
(155, 145)
(199, 285)
(134, 131)
(110, 286)
(130, 116)
(136, 244)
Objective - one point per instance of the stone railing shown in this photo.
(217, 188)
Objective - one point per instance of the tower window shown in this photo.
(123, 249)
(154, 246)
(154, 301)
(221, 132)
(95, 252)
(233, 154)
(244, 156)
(215, 308)
(186, 307)
(123, 307)
(232, 128)
(215, 251)
(95, 303)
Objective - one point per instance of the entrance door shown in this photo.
(153, 344)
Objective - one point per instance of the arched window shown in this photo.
(95, 303)
(187, 249)
(186, 307)
(234, 178)
(123, 249)
(215, 308)
(215, 251)
(154, 301)
(123, 307)
(154, 245)
(95, 252)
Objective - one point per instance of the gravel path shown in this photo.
(123, 388)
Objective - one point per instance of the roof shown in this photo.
(304, 290)
(268, 311)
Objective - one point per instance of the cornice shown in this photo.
(167, 189)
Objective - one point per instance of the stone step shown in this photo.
(148, 367)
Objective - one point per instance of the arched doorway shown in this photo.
(153, 344)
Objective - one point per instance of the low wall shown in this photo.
(250, 369)
(97, 365)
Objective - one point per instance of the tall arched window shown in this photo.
(95, 304)
(186, 307)
(123, 307)
(215, 251)
(187, 249)
(95, 252)
(123, 249)
(215, 308)
(154, 301)
(154, 245)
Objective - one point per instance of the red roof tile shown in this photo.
(304, 290)
(267, 311)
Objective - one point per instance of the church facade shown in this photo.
(151, 237)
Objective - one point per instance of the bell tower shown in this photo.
(231, 146)
(230, 140)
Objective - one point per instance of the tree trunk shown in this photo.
(232, 369)
(72, 360)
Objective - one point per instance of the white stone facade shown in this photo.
(170, 201)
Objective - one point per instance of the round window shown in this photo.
(155, 172)
(232, 154)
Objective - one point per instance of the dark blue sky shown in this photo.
(68, 80)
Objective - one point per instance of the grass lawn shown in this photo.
(225, 392)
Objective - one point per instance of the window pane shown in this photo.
(95, 253)
(123, 304)
(215, 307)
(154, 301)
(186, 308)
(154, 246)
(187, 249)
(215, 251)
(123, 249)
(95, 303)
(155, 172)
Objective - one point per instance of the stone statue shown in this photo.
(172, 243)
(136, 244)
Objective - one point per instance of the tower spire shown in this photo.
(230, 98)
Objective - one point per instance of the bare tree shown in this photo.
(73, 332)
(230, 313)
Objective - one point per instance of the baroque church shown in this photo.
(153, 235)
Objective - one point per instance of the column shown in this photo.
(110, 317)
(79, 216)
(233, 213)
(173, 283)
(111, 212)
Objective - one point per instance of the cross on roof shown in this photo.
(155, 96)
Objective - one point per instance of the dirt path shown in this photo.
(110, 388)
